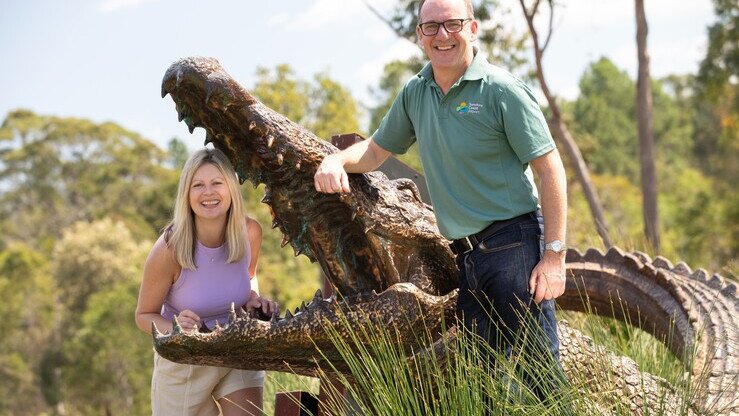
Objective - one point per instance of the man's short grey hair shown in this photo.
(467, 3)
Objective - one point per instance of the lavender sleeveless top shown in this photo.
(209, 290)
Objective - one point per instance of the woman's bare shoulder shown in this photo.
(162, 257)
(253, 228)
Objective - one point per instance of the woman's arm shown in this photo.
(160, 271)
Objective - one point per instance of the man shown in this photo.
(480, 131)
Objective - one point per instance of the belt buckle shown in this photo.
(469, 247)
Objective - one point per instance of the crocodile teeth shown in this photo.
(270, 140)
(284, 241)
(280, 159)
(275, 224)
(176, 327)
(232, 314)
(275, 317)
(288, 315)
(318, 295)
(154, 330)
(252, 125)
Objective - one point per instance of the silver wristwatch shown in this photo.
(555, 246)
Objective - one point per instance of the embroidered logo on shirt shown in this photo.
(471, 108)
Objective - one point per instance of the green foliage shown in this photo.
(56, 171)
(622, 204)
(324, 106)
(177, 153)
(721, 62)
(97, 267)
(333, 110)
(94, 257)
(110, 360)
(698, 221)
(28, 309)
(394, 77)
(277, 382)
(604, 120)
(700, 224)
(717, 97)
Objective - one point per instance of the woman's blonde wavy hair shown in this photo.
(180, 233)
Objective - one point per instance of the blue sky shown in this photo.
(104, 59)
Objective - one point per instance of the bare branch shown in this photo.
(535, 8)
(525, 9)
(551, 26)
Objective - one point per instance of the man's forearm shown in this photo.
(362, 157)
(553, 196)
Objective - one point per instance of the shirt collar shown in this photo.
(475, 71)
(477, 68)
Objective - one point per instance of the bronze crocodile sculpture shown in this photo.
(380, 249)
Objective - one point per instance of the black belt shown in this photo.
(466, 244)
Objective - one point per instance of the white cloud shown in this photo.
(278, 19)
(109, 6)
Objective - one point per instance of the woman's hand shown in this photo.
(257, 305)
(189, 320)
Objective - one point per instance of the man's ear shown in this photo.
(473, 30)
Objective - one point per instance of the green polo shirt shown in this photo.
(475, 143)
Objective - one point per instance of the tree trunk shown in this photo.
(646, 134)
(560, 131)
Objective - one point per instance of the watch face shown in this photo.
(556, 246)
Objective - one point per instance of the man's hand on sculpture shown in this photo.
(548, 277)
(331, 177)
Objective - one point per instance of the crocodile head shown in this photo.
(378, 245)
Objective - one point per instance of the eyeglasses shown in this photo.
(451, 26)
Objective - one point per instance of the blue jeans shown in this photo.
(494, 299)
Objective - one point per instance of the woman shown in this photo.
(205, 259)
